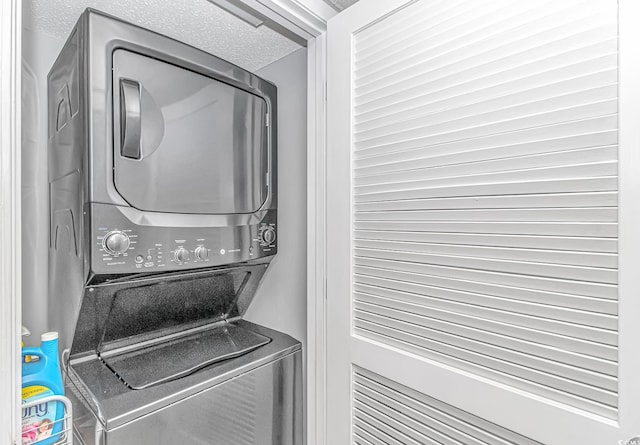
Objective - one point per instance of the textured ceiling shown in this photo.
(196, 22)
(340, 4)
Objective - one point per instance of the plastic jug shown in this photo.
(42, 423)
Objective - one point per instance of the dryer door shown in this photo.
(185, 142)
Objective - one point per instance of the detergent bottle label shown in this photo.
(37, 420)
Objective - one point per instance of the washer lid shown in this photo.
(172, 358)
(128, 313)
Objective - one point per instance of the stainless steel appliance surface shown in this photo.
(162, 358)
(161, 158)
(163, 216)
(253, 399)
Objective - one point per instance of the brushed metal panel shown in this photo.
(261, 407)
(254, 399)
(203, 143)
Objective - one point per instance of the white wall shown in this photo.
(280, 302)
(38, 54)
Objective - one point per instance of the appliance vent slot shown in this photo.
(485, 192)
(386, 412)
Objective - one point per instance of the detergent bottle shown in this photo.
(41, 377)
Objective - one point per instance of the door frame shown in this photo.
(10, 221)
(306, 21)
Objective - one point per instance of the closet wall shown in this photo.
(280, 302)
(39, 51)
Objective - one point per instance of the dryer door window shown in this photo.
(185, 142)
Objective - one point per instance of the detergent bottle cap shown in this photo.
(48, 336)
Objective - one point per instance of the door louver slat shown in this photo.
(576, 244)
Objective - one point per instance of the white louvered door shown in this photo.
(483, 281)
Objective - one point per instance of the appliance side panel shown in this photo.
(261, 407)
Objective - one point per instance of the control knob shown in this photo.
(201, 253)
(181, 254)
(116, 242)
(268, 236)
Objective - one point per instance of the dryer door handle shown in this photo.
(130, 118)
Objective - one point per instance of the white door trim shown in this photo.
(629, 214)
(309, 15)
(301, 20)
(316, 241)
(10, 245)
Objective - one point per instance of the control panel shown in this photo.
(123, 247)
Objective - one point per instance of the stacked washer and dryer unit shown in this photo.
(162, 172)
